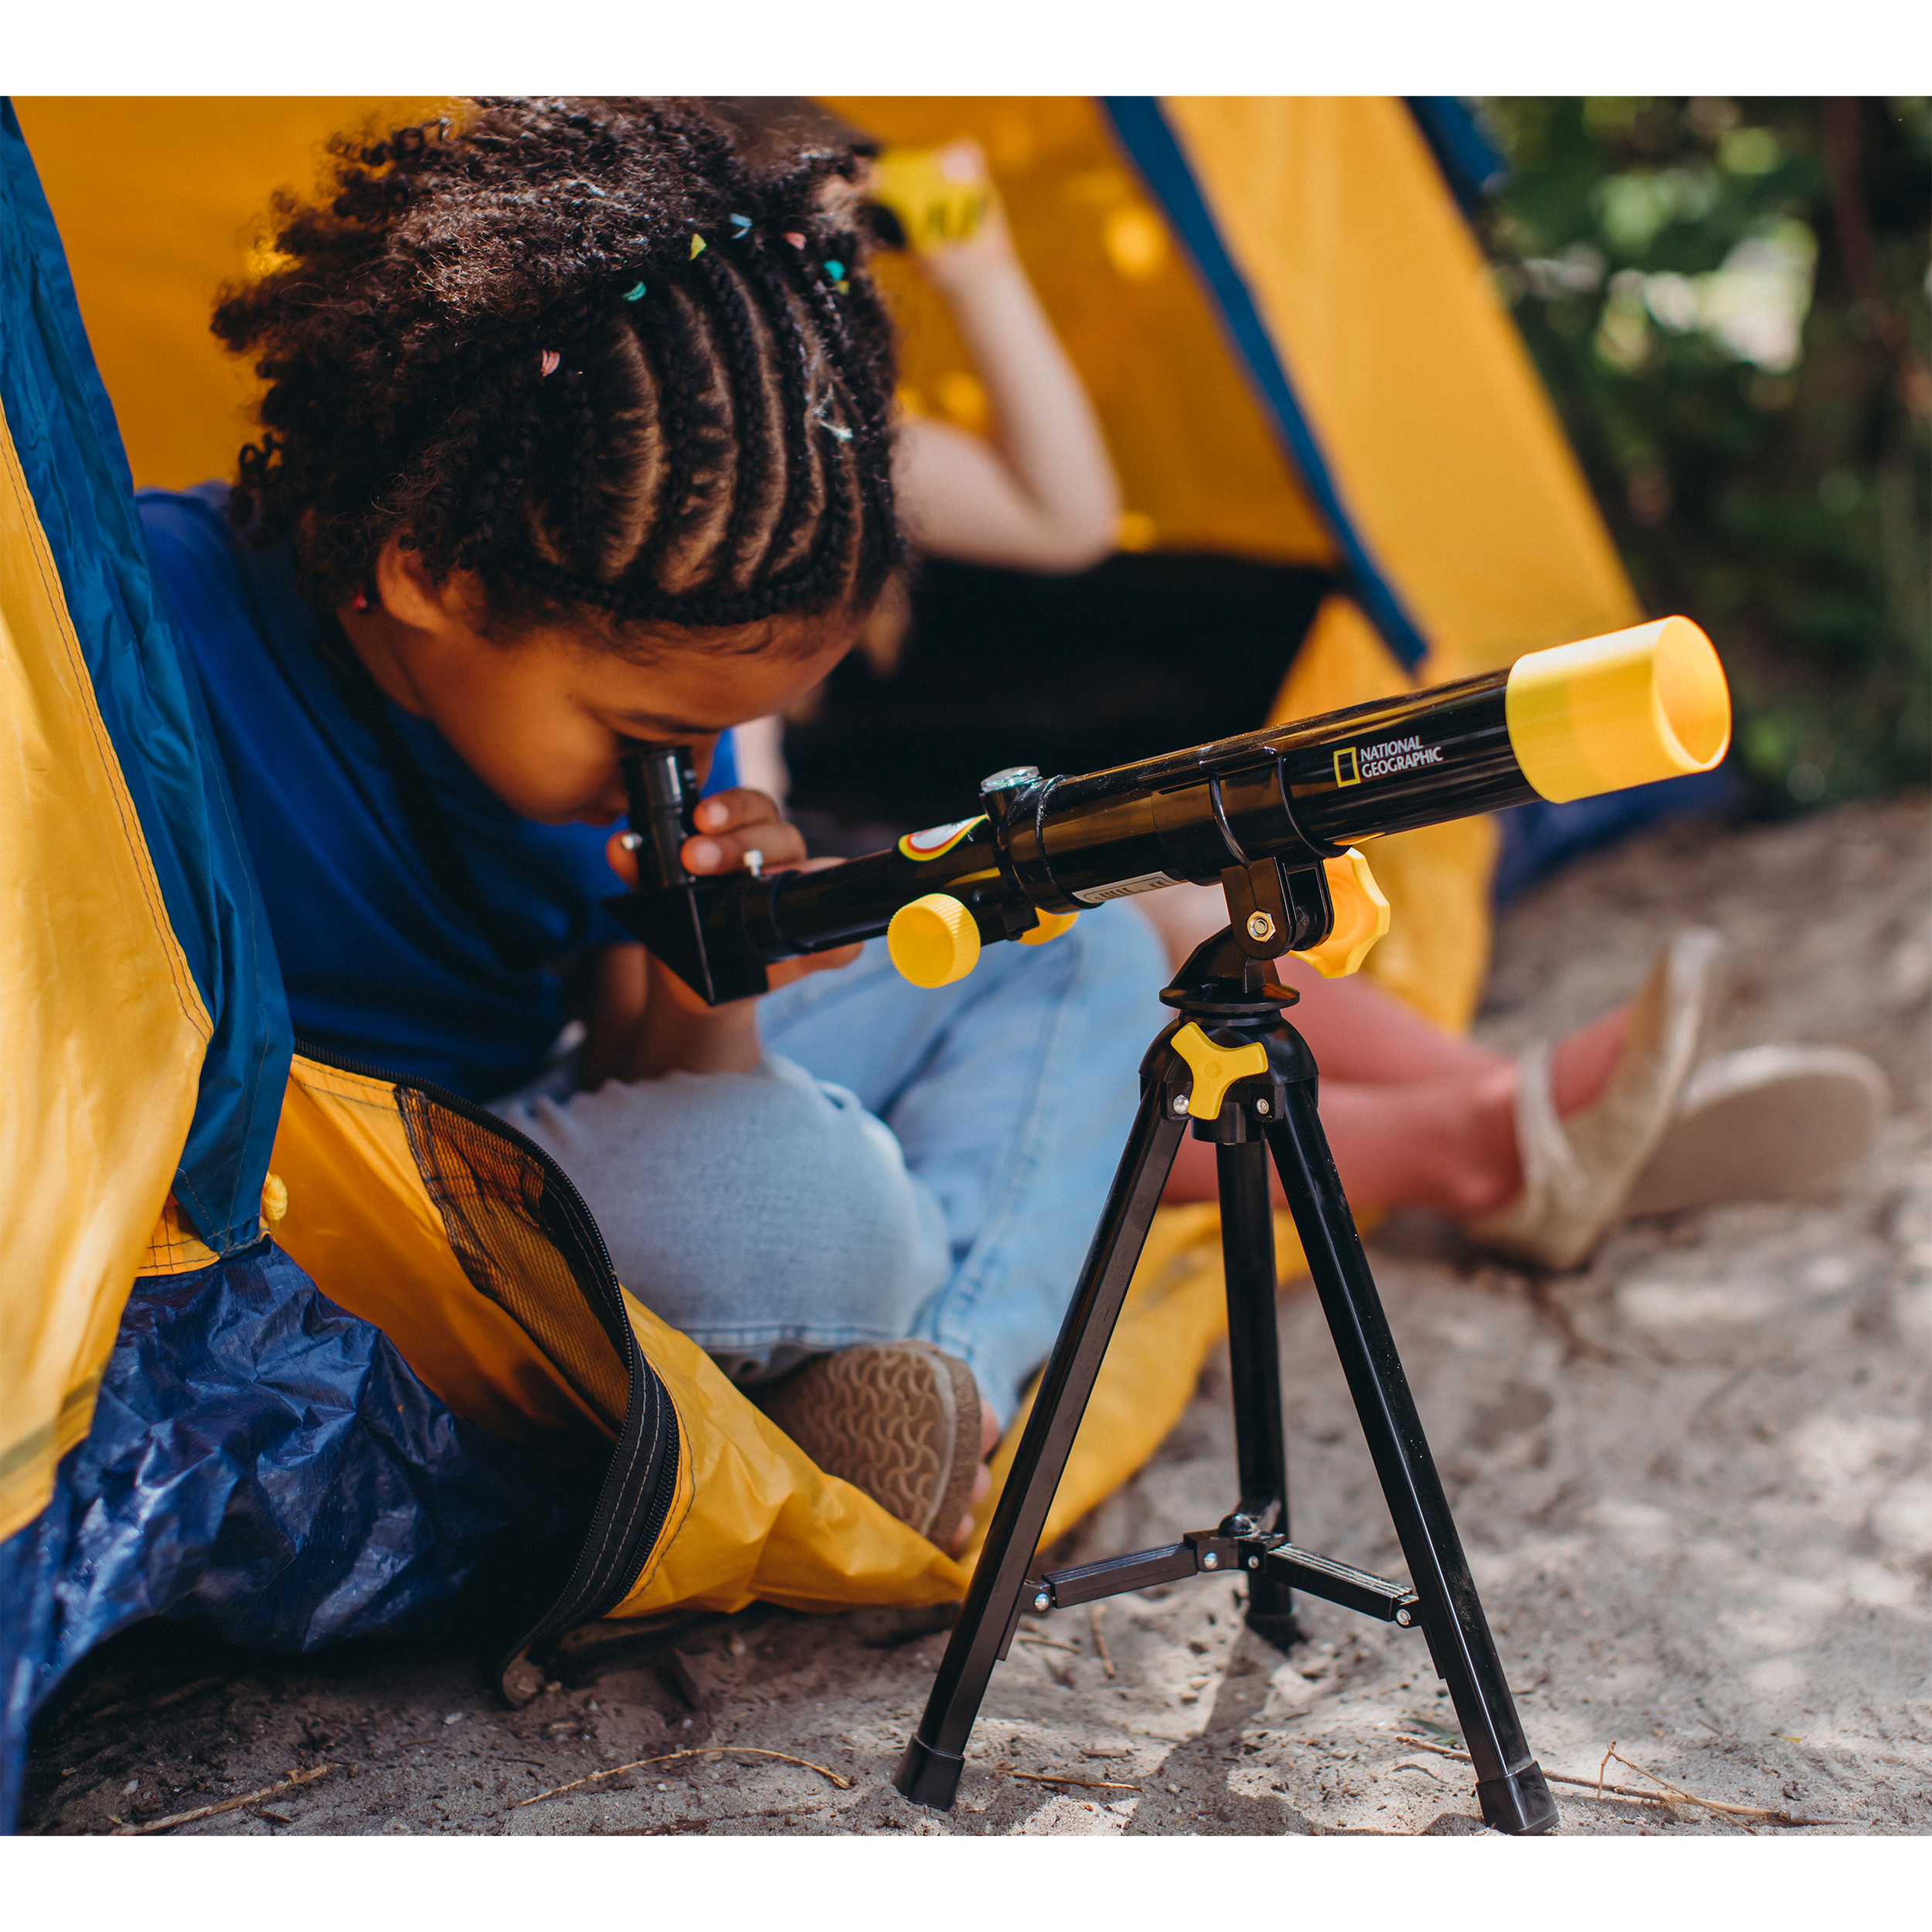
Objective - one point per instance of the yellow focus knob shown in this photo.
(933, 940)
(1050, 927)
(1361, 917)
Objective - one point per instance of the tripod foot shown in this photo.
(1518, 1802)
(929, 1776)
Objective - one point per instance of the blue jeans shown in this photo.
(901, 1164)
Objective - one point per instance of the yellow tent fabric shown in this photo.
(109, 1028)
(159, 202)
(1437, 433)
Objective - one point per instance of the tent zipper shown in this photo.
(632, 1508)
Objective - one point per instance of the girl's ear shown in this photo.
(407, 592)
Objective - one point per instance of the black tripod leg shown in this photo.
(1247, 1260)
(928, 1773)
(1509, 1784)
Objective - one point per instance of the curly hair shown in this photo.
(621, 359)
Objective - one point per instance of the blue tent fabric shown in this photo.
(64, 430)
(1143, 132)
(258, 1459)
(1471, 161)
(1539, 838)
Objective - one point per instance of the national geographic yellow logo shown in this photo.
(1347, 771)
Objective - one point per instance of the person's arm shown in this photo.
(1039, 493)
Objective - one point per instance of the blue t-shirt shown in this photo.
(379, 964)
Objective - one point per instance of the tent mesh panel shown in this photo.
(525, 1244)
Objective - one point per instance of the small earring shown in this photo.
(360, 600)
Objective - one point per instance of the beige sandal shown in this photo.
(1578, 1172)
(1768, 1124)
(898, 1419)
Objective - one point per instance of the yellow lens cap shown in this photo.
(1628, 708)
(933, 940)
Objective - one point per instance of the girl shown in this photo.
(576, 433)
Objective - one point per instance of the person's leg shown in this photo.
(1010, 1093)
(768, 1215)
(1415, 1117)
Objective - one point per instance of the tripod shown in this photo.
(1232, 1068)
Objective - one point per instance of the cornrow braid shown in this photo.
(795, 378)
(748, 366)
(590, 352)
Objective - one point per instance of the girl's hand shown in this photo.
(677, 1029)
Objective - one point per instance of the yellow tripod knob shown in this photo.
(1050, 927)
(1361, 917)
(933, 940)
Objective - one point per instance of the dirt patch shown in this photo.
(1695, 1480)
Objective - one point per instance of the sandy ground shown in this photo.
(1694, 1480)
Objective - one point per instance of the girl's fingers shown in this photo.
(725, 811)
(778, 844)
(730, 824)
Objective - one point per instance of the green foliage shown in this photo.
(1728, 300)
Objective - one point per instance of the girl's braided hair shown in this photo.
(712, 451)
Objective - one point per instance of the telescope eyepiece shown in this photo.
(661, 783)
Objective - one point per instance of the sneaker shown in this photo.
(898, 1419)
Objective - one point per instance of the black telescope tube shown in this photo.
(1298, 794)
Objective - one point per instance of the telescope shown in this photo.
(1273, 816)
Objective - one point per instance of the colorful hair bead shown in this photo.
(634, 294)
(836, 271)
(698, 245)
(824, 422)
(797, 241)
(740, 226)
(549, 360)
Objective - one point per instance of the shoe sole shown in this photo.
(899, 1420)
(1769, 1123)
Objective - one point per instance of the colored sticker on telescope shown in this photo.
(936, 840)
(1126, 888)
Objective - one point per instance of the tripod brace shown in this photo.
(1231, 1069)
